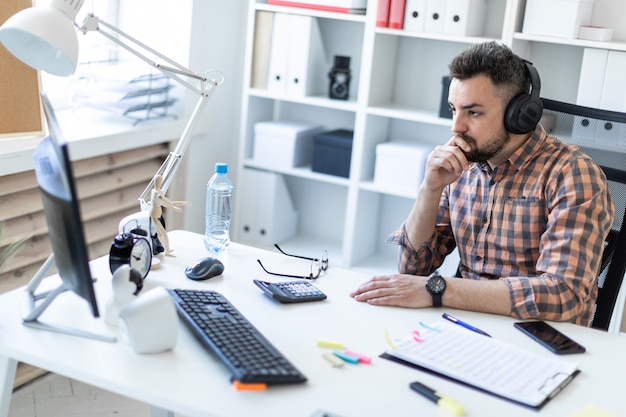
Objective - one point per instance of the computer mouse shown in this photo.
(204, 268)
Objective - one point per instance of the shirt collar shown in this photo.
(523, 154)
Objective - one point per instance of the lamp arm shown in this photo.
(93, 23)
(169, 167)
(205, 89)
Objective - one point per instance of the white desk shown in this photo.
(188, 381)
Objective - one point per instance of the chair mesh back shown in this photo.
(601, 134)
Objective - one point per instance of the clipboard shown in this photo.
(484, 364)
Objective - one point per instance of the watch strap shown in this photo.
(436, 299)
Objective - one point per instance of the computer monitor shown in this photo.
(69, 252)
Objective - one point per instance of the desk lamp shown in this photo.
(45, 38)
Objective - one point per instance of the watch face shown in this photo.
(436, 285)
(141, 256)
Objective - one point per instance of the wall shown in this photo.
(217, 42)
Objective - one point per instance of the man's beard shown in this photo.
(489, 150)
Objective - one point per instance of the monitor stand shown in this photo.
(34, 310)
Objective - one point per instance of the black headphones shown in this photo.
(525, 109)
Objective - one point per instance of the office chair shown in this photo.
(601, 134)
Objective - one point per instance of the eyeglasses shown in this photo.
(318, 265)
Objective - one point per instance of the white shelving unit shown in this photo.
(395, 93)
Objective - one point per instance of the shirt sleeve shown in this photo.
(580, 217)
(430, 254)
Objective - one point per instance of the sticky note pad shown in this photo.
(329, 344)
(334, 361)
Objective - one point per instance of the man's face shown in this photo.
(478, 118)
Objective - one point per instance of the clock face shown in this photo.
(141, 256)
(128, 249)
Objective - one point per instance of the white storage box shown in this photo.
(595, 33)
(283, 144)
(559, 18)
(400, 165)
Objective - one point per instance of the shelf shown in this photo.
(470, 40)
(611, 45)
(400, 112)
(402, 192)
(318, 101)
(299, 172)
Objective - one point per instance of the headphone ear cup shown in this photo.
(522, 114)
(524, 110)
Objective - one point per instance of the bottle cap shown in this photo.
(221, 168)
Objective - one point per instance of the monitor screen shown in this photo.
(58, 192)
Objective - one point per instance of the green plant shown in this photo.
(11, 249)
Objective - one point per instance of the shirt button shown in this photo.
(479, 258)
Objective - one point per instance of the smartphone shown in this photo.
(550, 337)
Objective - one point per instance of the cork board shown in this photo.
(20, 111)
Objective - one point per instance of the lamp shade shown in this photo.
(44, 38)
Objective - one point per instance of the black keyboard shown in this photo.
(223, 330)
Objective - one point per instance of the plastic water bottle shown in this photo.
(218, 210)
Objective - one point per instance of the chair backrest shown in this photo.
(601, 134)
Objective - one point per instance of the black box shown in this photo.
(332, 151)
(444, 106)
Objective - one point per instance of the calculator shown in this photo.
(291, 291)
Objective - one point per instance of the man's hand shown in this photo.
(446, 163)
(395, 290)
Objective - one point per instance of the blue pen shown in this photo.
(462, 323)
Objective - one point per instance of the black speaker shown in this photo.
(524, 110)
(340, 78)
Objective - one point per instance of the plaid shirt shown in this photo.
(537, 221)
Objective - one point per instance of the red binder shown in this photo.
(396, 14)
(382, 15)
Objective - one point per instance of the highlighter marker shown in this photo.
(333, 360)
(345, 357)
(442, 401)
(329, 344)
(240, 386)
(362, 358)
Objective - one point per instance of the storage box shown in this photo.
(332, 151)
(283, 144)
(400, 165)
(595, 33)
(559, 18)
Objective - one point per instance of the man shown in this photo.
(528, 212)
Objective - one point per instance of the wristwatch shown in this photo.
(128, 248)
(436, 286)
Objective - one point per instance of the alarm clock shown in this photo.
(133, 250)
